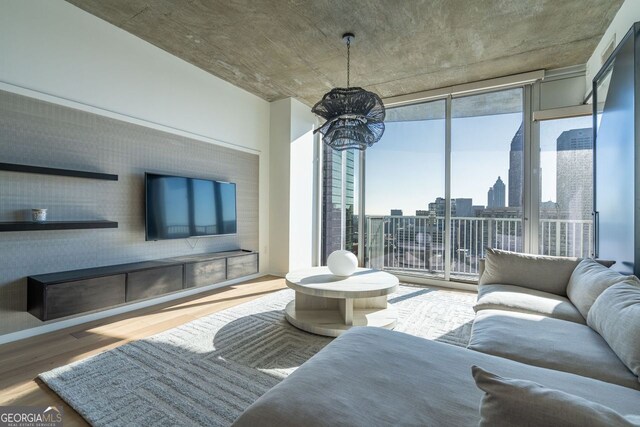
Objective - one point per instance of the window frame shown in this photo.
(532, 116)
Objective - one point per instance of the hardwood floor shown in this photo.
(22, 361)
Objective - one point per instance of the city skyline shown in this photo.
(497, 156)
(480, 148)
(495, 219)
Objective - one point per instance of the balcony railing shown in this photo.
(414, 244)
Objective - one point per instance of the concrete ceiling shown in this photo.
(282, 48)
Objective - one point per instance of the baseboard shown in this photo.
(277, 274)
(62, 324)
(435, 282)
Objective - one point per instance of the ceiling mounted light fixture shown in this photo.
(354, 117)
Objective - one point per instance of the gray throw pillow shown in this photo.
(510, 402)
(539, 272)
(588, 281)
(616, 317)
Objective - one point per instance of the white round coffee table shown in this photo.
(329, 305)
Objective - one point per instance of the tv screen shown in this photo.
(180, 207)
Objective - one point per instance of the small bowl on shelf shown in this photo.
(38, 215)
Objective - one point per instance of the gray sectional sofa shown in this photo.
(535, 310)
(564, 333)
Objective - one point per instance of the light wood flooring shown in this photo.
(22, 361)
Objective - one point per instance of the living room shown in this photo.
(185, 230)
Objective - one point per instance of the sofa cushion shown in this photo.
(588, 281)
(507, 402)
(539, 272)
(616, 316)
(549, 343)
(372, 376)
(525, 300)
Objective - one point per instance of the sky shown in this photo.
(405, 169)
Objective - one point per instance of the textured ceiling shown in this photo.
(281, 48)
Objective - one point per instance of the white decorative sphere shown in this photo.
(342, 263)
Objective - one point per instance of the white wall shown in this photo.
(292, 178)
(279, 179)
(54, 51)
(302, 185)
(628, 14)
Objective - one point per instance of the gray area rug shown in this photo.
(208, 371)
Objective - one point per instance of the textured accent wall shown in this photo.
(38, 133)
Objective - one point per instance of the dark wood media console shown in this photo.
(55, 295)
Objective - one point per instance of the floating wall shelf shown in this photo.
(55, 225)
(53, 171)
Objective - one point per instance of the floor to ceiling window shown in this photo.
(566, 175)
(339, 201)
(413, 190)
(449, 179)
(487, 160)
(404, 195)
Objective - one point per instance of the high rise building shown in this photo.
(351, 220)
(464, 207)
(496, 195)
(574, 173)
(438, 206)
(332, 214)
(422, 212)
(396, 212)
(437, 211)
(477, 210)
(516, 153)
(459, 207)
(499, 193)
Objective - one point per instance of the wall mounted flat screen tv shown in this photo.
(179, 207)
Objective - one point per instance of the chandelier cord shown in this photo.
(348, 59)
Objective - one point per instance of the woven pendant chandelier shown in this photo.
(354, 117)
